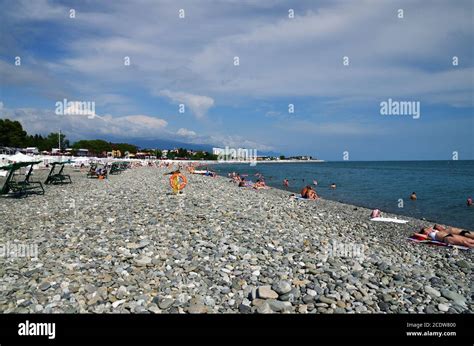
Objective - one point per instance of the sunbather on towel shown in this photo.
(260, 184)
(455, 231)
(453, 236)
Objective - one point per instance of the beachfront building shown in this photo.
(32, 150)
(218, 151)
(266, 158)
(302, 157)
(82, 152)
(8, 150)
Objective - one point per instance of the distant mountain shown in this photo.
(170, 144)
(160, 143)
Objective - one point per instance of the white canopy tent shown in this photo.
(19, 157)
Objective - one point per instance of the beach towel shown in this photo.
(437, 243)
(388, 219)
(299, 198)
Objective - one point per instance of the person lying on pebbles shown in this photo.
(453, 236)
(309, 193)
(260, 184)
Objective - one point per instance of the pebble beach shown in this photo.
(126, 244)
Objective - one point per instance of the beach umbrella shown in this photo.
(19, 157)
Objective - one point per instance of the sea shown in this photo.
(442, 187)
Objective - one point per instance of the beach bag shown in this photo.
(375, 213)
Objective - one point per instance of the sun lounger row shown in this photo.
(22, 188)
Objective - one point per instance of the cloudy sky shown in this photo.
(282, 61)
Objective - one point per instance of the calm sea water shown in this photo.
(442, 187)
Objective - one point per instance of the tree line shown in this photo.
(13, 135)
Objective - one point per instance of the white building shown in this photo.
(32, 150)
(218, 151)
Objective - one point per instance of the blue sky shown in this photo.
(283, 61)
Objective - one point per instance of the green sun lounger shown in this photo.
(115, 168)
(58, 177)
(119, 167)
(24, 187)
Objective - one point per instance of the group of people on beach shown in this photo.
(437, 233)
(242, 182)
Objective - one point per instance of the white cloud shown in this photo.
(82, 126)
(40, 10)
(43, 121)
(233, 141)
(186, 133)
(221, 140)
(279, 56)
(198, 104)
(183, 60)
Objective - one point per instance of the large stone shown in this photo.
(281, 287)
(326, 300)
(154, 309)
(118, 302)
(265, 292)
(165, 303)
(44, 286)
(264, 308)
(245, 309)
(383, 306)
(455, 297)
(463, 264)
(142, 261)
(432, 292)
(279, 306)
(197, 309)
(443, 307)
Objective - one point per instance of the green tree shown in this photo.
(182, 152)
(52, 141)
(123, 147)
(95, 146)
(12, 134)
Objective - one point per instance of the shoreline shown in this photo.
(125, 244)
